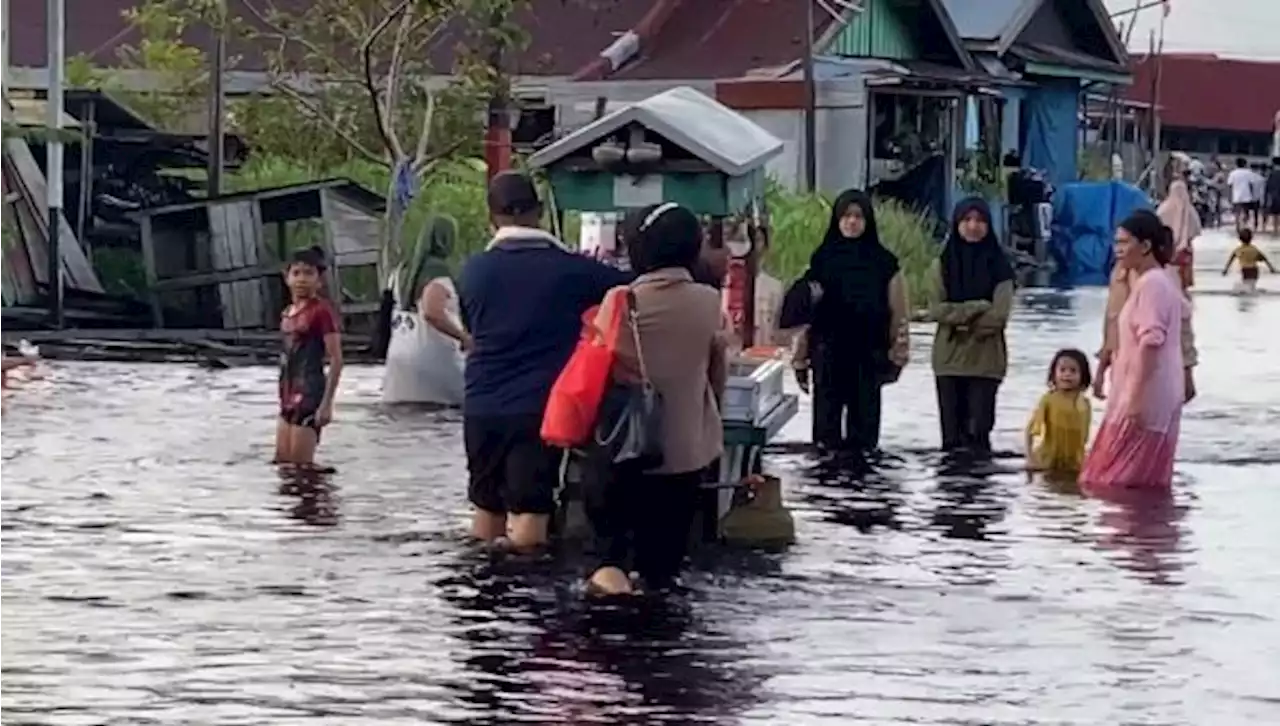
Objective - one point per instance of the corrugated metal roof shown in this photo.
(1201, 92)
(983, 20)
(700, 125)
(563, 35)
(722, 39)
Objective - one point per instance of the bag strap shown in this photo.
(617, 300)
(633, 316)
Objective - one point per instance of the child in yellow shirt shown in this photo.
(1249, 258)
(1060, 423)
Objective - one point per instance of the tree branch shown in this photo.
(424, 137)
(314, 110)
(366, 51)
(432, 159)
(278, 32)
(394, 68)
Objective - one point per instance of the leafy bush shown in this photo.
(799, 221)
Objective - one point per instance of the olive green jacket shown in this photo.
(970, 336)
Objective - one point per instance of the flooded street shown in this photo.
(157, 571)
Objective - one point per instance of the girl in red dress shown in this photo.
(310, 328)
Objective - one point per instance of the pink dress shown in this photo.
(1138, 439)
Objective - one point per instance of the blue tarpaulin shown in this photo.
(1085, 215)
(1049, 115)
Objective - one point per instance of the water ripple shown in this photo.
(157, 571)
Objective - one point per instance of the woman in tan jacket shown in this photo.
(642, 519)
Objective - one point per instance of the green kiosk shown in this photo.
(681, 146)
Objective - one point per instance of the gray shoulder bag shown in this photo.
(634, 437)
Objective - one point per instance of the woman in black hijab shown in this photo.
(970, 300)
(854, 300)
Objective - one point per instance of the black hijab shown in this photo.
(972, 270)
(857, 268)
(853, 274)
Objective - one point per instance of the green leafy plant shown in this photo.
(980, 174)
(177, 73)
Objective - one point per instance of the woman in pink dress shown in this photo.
(1138, 439)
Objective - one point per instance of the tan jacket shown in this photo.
(681, 333)
(1117, 294)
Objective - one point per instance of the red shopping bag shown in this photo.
(579, 390)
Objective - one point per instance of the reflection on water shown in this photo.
(156, 570)
(313, 496)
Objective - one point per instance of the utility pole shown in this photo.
(810, 104)
(217, 101)
(4, 45)
(497, 135)
(57, 51)
(1157, 170)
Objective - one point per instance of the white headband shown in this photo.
(658, 211)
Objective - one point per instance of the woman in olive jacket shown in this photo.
(970, 298)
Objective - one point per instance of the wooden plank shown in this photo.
(221, 262)
(205, 279)
(333, 280)
(31, 179)
(19, 278)
(32, 230)
(361, 308)
(352, 229)
(235, 260)
(194, 335)
(153, 280)
(253, 252)
(358, 259)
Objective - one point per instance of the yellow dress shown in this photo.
(1061, 425)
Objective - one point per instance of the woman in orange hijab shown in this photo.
(1178, 213)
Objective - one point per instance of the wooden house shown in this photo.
(1061, 50)
(217, 263)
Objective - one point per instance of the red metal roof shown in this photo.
(1207, 92)
(703, 38)
(564, 35)
(724, 39)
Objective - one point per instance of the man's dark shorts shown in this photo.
(511, 469)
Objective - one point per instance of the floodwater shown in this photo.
(156, 570)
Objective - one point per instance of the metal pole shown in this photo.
(810, 104)
(53, 166)
(217, 99)
(4, 45)
(497, 137)
(1156, 141)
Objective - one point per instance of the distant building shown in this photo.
(1211, 106)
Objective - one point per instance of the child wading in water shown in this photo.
(1249, 257)
(1062, 418)
(310, 328)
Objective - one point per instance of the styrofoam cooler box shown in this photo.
(753, 390)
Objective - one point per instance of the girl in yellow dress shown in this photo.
(1060, 424)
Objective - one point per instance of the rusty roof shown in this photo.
(1207, 92)
(564, 35)
(725, 39)
(703, 39)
